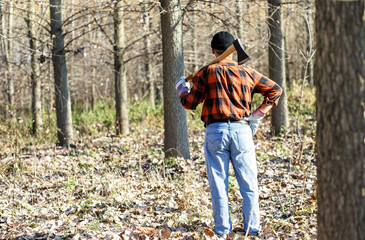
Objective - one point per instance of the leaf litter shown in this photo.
(123, 188)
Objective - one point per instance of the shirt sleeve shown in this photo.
(267, 87)
(196, 95)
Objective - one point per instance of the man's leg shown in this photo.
(244, 165)
(217, 161)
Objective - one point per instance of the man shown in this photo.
(226, 89)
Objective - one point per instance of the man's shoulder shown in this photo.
(245, 67)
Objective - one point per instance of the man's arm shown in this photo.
(265, 108)
(272, 92)
(190, 99)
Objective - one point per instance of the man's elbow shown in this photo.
(278, 90)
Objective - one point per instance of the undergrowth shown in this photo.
(101, 119)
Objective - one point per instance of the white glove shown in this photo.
(181, 85)
(254, 120)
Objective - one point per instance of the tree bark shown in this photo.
(279, 117)
(340, 93)
(176, 142)
(195, 42)
(148, 60)
(63, 100)
(310, 48)
(7, 26)
(36, 83)
(239, 15)
(93, 90)
(121, 99)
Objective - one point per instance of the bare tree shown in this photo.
(340, 92)
(309, 68)
(121, 100)
(35, 75)
(7, 43)
(63, 100)
(277, 64)
(176, 133)
(148, 59)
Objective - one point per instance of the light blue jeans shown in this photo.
(224, 142)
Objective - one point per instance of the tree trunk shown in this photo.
(148, 60)
(93, 90)
(63, 101)
(36, 83)
(310, 48)
(176, 135)
(3, 43)
(121, 100)
(239, 15)
(277, 65)
(195, 42)
(92, 83)
(340, 33)
(8, 55)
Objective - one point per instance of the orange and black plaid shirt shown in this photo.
(226, 89)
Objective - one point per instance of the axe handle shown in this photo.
(226, 53)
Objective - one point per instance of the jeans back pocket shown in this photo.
(216, 141)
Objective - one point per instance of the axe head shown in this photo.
(242, 56)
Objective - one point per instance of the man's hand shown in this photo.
(254, 120)
(181, 85)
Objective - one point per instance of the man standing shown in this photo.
(226, 89)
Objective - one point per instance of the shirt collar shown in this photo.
(226, 61)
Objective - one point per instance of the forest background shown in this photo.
(112, 178)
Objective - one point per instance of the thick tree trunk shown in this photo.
(121, 99)
(176, 133)
(340, 33)
(36, 83)
(63, 100)
(277, 64)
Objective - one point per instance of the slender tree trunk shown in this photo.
(93, 90)
(8, 55)
(176, 134)
(63, 100)
(121, 100)
(195, 60)
(3, 41)
(310, 47)
(35, 76)
(340, 33)
(50, 94)
(286, 59)
(148, 60)
(239, 13)
(277, 64)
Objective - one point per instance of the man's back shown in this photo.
(226, 89)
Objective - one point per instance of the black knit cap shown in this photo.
(222, 40)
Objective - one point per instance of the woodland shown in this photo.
(89, 118)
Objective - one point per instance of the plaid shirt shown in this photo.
(227, 89)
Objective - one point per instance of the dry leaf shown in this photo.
(165, 233)
(209, 232)
(146, 230)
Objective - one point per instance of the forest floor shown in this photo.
(122, 188)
